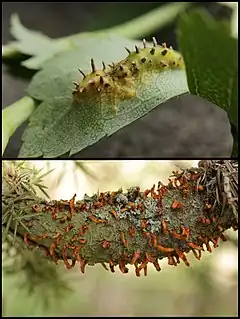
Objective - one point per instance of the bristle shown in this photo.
(93, 66)
(154, 42)
(82, 73)
(128, 51)
(144, 43)
(137, 49)
(76, 84)
(104, 65)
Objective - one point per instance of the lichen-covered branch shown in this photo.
(135, 227)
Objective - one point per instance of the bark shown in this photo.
(134, 227)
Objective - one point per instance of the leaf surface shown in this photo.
(59, 126)
(211, 57)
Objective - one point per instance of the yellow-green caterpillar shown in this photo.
(120, 80)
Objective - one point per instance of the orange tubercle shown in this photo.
(182, 256)
(131, 231)
(164, 249)
(25, 238)
(124, 241)
(194, 246)
(164, 226)
(135, 257)
(72, 205)
(177, 205)
(82, 262)
(106, 244)
(95, 220)
(114, 213)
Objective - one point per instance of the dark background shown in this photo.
(179, 128)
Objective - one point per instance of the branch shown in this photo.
(134, 227)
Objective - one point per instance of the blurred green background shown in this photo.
(207, 288)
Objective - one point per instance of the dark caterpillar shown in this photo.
(136, 228)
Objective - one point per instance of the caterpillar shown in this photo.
(120, 80)
(146, 226)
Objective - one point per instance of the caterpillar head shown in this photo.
(95, 82)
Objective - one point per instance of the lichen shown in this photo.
(136, 227)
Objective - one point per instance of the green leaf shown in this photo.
(234, 18)
(58, 126)
(211, 57)
(32, 43)
(42, 48)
